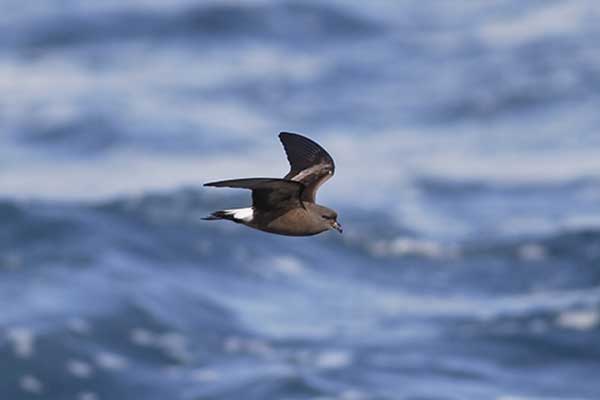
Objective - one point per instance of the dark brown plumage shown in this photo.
(287, 206)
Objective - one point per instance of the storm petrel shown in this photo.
(287, 206)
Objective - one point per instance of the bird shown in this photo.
(287, 206)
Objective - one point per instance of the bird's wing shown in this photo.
(310, 163)
(267, 193)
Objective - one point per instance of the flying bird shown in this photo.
(287, 206)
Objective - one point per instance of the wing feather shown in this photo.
(310, 164)
(268, 194)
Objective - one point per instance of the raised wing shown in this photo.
(268, 194)
(310, 163)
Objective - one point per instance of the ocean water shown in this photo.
(466, 136)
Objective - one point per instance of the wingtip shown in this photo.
(284, 133)
(292, 136)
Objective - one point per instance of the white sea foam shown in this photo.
(334, 359)
(174, 345)
(581, 320)
(110, 361)
(412, 246)
(79, 368)
(79, 326)
(517, 305)
(253, 346)
(289, 265)
(31, 384)
(87, 396)
(353, 394)
(22, 340)
(143, 337)
(557, 19)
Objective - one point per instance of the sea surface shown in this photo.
(466, 136)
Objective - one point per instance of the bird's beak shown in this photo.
(337, 227)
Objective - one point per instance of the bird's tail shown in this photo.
(219, 215)
(235, 215)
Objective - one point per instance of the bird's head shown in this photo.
(330, 217)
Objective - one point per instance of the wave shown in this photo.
(168, 227)
(470, 262)
(282, 21)
(139, 289)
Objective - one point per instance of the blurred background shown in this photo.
(466, 138)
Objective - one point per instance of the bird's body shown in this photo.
(291, 222)
(287, 206)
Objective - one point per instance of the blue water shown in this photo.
(466, 139)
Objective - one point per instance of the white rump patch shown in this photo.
(242, 214)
